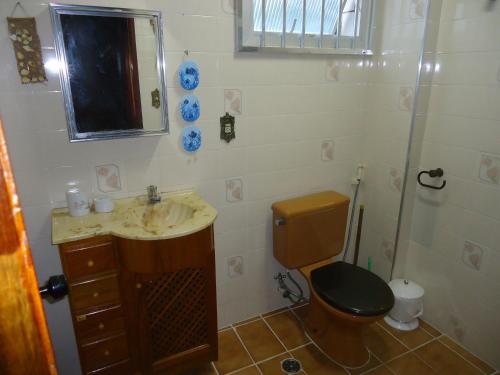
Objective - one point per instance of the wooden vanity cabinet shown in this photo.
(143, 307)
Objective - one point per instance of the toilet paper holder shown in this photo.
(438, 172)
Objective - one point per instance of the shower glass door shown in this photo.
(449, 239)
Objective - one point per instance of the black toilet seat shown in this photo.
(352, 289)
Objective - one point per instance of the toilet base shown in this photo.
(337, 333)
(340, 338)
(402, 326)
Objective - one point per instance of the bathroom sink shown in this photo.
(177, 214)
(155, 217)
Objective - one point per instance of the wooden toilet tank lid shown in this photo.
(309, 203)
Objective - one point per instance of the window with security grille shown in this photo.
(305, 26)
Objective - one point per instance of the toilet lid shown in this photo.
(352, 289)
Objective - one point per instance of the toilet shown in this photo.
(307, 232)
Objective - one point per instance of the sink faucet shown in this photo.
(153, 196)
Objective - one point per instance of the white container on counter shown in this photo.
(103, 203)
(78, 201)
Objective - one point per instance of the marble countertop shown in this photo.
(178, 214)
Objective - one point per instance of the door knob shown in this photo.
(55, 288)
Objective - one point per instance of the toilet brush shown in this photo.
(358, 234)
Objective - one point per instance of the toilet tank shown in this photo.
(310, 228)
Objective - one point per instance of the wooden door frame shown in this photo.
(25, 346)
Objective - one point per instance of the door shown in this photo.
(25, 346)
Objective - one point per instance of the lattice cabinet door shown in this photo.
(177, 313)
(170, 303)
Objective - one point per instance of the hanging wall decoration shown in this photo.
(191, 138)
(27, 48)
(155, 98)
(227, 128)
(189, 75)
(189, 78)
(190, 108)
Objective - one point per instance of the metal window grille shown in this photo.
(314, 26)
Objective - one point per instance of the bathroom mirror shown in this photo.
(111, 67)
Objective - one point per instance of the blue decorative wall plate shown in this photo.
(190, 108)
(189, 75)
(191, 138)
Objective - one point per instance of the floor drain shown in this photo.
(290, 366)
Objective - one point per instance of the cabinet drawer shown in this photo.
(85, 260)
(93, 325)
(120, 368)
(104, 352)
(96, 292)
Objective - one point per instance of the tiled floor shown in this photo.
(257, 346)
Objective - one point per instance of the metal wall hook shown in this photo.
(438, 172)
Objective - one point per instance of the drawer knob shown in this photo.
(95, 295)
(101, 326)
(106, 353)
(90, 263)
(138, 285)
(81, 318)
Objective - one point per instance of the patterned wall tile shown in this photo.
(234, 190)
(489, 169)
(472, 255)
(235, 266)
(417, 9)
(387, 248)
(332, 70)
(108, 178)
(406, 98)
(233, 101)
(327, 150)
(395, 179)
(228, 6)
(457, 327)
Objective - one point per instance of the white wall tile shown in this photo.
(231, 243)
(469, 34)
(456, 228)
(463, 69)
(194, 33)
(38, 222)
(142, 173)
(458, 161)
(289, 106)
(32, 194)
(59, 178)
